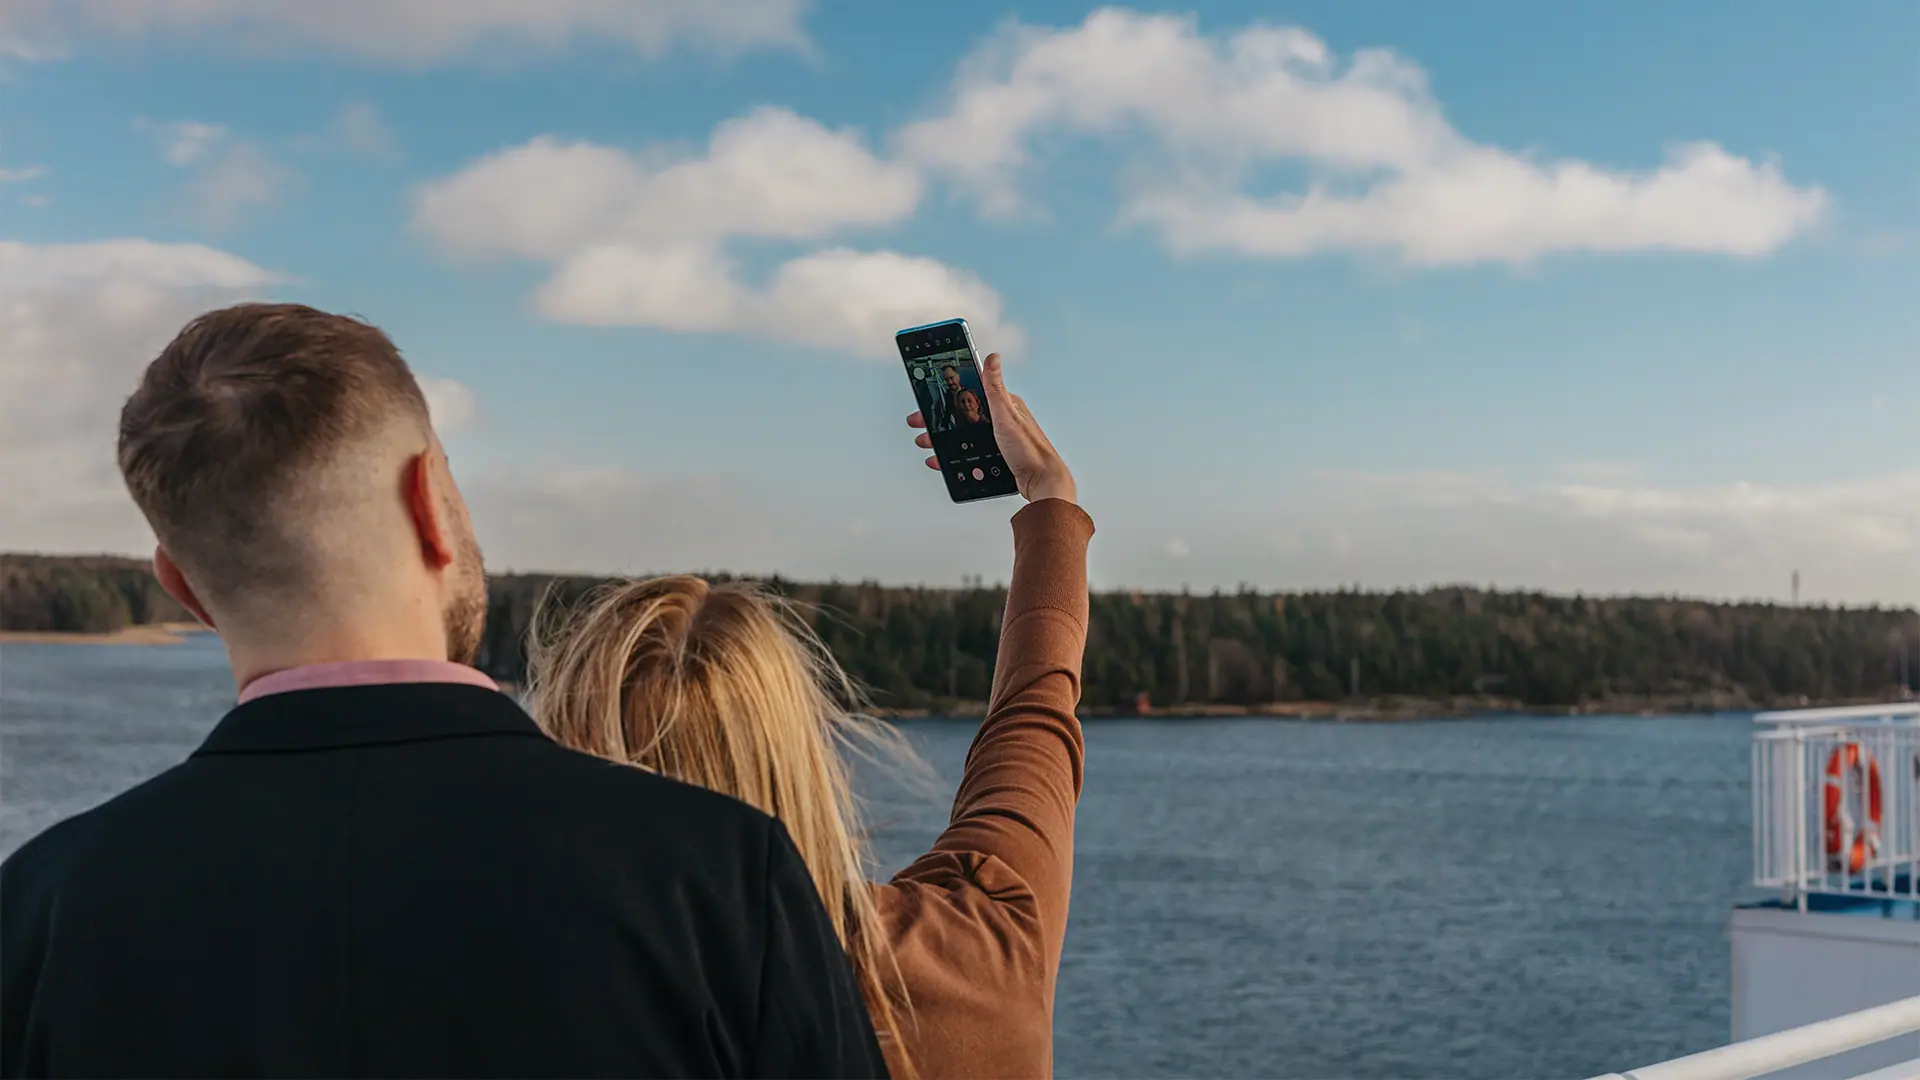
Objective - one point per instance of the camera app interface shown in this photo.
(947, 387)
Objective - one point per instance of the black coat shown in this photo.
(411, 880)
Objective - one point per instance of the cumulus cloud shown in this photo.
(405, 32)
(228, 177)
(185, 141)
(596, 519)
(242, 180)
(1855, 540)
(78, 323)
(357, 128)
(23, 174)
(1863, 519)
(450, 403)
(643, 239)
(1387, 172)
(15, 46)
(769, 174)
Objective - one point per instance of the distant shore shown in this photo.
(1389, 710)
(167, 633)
(1375, 710)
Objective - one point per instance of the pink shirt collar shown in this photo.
(364, 673)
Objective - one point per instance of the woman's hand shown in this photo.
(1036, 465)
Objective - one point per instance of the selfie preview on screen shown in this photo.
(950, 392)
(948, 388)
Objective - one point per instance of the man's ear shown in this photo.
(428, 510)
(175, 582)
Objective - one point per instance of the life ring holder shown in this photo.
(1851, 844)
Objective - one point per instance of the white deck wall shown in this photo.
(1792, 968)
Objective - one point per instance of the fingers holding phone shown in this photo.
(984, 440)
(1037, 466)
(924, 441)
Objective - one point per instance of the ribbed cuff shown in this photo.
(1051, 514)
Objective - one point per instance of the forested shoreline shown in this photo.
(1433, 650)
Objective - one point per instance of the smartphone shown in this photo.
(944, 368)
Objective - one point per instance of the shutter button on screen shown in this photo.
(978, 475)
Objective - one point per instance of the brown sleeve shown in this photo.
(1022, 777)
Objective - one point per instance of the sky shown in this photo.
(1587, 298)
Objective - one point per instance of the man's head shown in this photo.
(952, 375)
(286, 462)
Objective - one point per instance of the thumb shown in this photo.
(994, 377)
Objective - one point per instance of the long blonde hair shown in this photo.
(728, 687)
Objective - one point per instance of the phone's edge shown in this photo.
(983, 498)
(975, 350)
(931, 325)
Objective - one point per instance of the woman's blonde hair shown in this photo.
(727, 686)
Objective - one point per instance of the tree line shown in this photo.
(930, 648)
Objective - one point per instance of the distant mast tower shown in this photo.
(1796, 588)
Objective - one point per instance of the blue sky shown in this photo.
(1578, 297)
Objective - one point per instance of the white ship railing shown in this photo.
(1794, 845)
(1796, 1046)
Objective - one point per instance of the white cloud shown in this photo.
(78, 323)
(230, 177)
(185, 141)
(450, 403)
(1860, 539)
(563, 517)
(1865, 518)
(571, 518)
(1376, 530)
(768, 174)
(407, 32)
(1487, 205)
(361, 130)
(1387, 172)
(27, 269)
(1426, 488)
(241, 180)
(22, 175)
(357, 128)
(642, 239)
(15, 44)
(857, 300)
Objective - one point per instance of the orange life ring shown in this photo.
(1851, 844)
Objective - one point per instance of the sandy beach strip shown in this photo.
(153, 634)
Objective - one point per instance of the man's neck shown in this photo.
(251, 662)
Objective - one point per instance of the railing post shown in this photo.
(1799, 788)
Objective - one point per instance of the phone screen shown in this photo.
(945, 375)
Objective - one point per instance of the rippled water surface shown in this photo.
(1514, 898)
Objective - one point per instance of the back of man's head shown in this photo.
(286, 462)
